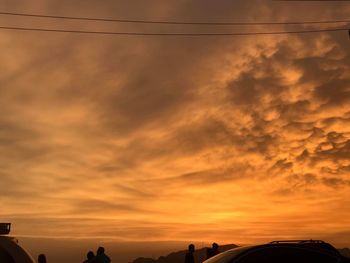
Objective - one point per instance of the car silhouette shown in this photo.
(10, 250)
(285, 251)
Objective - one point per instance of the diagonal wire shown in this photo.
(173, 34)
(175, 22)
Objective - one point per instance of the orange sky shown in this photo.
(241, 139)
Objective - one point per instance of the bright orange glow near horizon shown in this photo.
(227, 139)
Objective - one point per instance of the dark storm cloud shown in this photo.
(282, 165)
(294, 110)
(341, 121)
(339, 153)
(335, 182)
(300, 118)
(298, 126)
(248, 89)
(335, 92)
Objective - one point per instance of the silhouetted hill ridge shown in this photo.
(177, 257)
(345, 252)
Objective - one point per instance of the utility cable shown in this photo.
(173, 34)
(176, 22)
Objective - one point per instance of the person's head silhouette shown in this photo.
(90, 255)
(215, 246)
(100, 250)
(41, 258)
(191, 248)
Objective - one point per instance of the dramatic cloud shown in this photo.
(172, 138)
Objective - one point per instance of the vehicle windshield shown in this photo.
(226, 256)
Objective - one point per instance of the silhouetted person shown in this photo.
(90, 257)
(41, 258)
(214, 250)
(189, 258)
(101, 257)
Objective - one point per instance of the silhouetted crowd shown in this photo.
(189, 258)
(100, 257)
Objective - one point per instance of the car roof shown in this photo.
(315, 245)
(10, 246)
(228, 254)
(321, 247)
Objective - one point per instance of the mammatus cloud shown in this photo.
(175, 139)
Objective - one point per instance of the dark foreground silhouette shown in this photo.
(178, 257)
(90, 257)
(41, 258)
(200, 255)
(189, 258)
(213, 251)
(100, 256)
(286, 251)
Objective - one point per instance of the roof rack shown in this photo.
(5, 228)
(297, 241)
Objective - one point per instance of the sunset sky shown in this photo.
(141, 138)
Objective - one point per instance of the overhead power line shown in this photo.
(173, 34)
(176, 22)
(312, 0)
